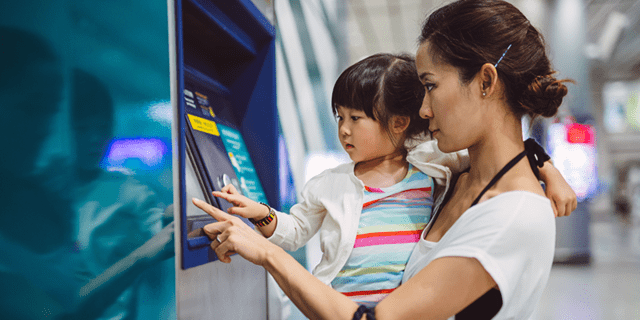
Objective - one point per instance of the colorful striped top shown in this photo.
(390, 225)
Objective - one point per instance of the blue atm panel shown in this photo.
(224, 102)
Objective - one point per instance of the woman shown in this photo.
(489, 248)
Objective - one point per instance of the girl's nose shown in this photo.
(344, 130)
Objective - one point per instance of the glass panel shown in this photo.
(87, 224)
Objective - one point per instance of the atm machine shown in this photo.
(225, 131)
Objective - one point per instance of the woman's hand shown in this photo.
(231, 235)
(314, 298)
(242, 205)
(563, 198)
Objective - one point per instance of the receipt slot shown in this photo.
(226, 126)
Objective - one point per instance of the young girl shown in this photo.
(369, 212)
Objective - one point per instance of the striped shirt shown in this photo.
(390, 225)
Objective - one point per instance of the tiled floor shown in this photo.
(607, 288)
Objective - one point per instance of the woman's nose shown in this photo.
(425, 110)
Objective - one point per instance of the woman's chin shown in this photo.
(445, 147)
(441, 146)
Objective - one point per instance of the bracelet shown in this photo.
(362, 310)
(266, 220)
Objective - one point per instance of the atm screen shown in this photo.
(216, 155)
(222, 57)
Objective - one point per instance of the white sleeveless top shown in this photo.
(512, 235)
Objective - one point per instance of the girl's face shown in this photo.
(362, 137)
(451, 107)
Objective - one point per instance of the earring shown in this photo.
(484, 94)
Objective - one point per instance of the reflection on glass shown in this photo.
(83, 238)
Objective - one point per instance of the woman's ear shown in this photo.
(488, 80)
(400, 123)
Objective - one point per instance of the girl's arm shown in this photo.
(435, 292)
(247, 208)
(289, 231)
(563, 198)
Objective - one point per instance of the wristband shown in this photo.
(266, 220)
(536, 155)
(364, 310)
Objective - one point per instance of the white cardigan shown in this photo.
(332, 202)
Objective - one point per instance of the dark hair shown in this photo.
(19, 49)
(90, 97)
(383, 86)
(466, 34)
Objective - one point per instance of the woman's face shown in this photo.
(28, 106)
(450, 106)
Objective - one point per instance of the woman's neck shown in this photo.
(493, 151)
(384, 171)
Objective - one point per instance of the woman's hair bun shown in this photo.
(543, 96)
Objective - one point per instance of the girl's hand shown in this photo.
(231, 235)
(242, 205)
(563, 198)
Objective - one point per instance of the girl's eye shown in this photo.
(429, 86)
(354, 118)
(338, 118)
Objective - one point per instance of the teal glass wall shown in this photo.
(86, 228)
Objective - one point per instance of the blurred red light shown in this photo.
(580, 133)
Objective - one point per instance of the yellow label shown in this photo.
(203, 125)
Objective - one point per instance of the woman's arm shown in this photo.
(441, 289)
(436, 292)
(314, 298)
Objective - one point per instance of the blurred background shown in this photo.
(96, 114)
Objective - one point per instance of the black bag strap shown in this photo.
(536, 156)
(499, 175)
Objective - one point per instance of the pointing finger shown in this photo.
(227, 196)
(211, 210)
(230, 188)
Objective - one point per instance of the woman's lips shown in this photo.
(348, 146)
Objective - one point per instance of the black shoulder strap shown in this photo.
(490, 303)
(499, 175)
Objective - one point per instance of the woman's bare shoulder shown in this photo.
(515, 181)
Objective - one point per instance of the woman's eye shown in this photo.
(338, 118)
(429, 86)
(354, 118)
